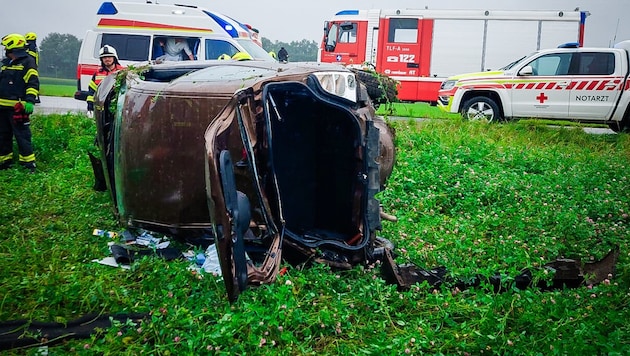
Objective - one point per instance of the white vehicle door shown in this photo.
(545, 92)
(596, 86)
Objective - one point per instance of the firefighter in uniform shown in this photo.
(19, 87)
(31, 46)
(109, 65)
(31, 49)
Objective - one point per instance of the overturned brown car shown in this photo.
(270, 160)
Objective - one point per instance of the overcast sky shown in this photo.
(286, 20)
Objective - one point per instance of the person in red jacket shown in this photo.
(109, 65)
(19, 89)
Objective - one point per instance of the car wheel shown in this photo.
(622, 126)
(381, 88)
(481, 108)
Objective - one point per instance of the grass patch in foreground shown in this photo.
(476, 198)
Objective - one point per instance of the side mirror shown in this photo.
(527, 70)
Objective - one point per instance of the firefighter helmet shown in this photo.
(13, 41)
(241, 56)
(108, 51)
(31, 36)
(224, 56)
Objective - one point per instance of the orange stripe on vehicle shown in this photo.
(115, 23)
(592, 85)
(581, 85)
(602, 84)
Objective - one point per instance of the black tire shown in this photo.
(620, 127)
(615, 126)
(481, 108)
(381, 88)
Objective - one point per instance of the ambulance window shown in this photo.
(596, 63)
(128, 47)
(403, 30)
(348, 33)
(551, 64)
(216, 48)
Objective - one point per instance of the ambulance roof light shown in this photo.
(569, 45)
(107, 8)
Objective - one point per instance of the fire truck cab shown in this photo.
(136, 31)
(421, 47)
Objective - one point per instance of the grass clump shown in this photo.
(479, 199)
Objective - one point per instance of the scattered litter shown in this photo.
(133, 245)
(110, 261)
(207, 261)
(211, 263)
(110, 234)
(146, 239)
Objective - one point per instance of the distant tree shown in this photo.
(58, 55)
(299, 51)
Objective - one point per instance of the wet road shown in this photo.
(59, 105)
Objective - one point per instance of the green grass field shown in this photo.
(57, 87)
(478, 199)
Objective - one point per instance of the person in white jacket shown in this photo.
(173, 48)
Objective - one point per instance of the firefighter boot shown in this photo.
(30, 166)
(6, 165)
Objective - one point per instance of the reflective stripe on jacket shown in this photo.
(19, 79)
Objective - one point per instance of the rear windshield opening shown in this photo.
(315, 147)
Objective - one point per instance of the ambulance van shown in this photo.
(138, 30)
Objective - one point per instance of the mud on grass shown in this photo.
(475, 198)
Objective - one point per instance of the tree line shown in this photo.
(59, 53)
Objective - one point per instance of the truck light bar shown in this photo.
(347, 12)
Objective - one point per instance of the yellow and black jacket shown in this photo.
(31, 49)
(19, 80)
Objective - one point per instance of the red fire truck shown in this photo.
(421, 47)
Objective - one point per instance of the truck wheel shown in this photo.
(481, 108)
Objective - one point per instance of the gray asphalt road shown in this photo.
(59, 105)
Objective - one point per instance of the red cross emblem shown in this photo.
(542, 97)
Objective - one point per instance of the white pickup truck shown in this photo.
(588, 85)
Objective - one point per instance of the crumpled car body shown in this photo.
(271, 160)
